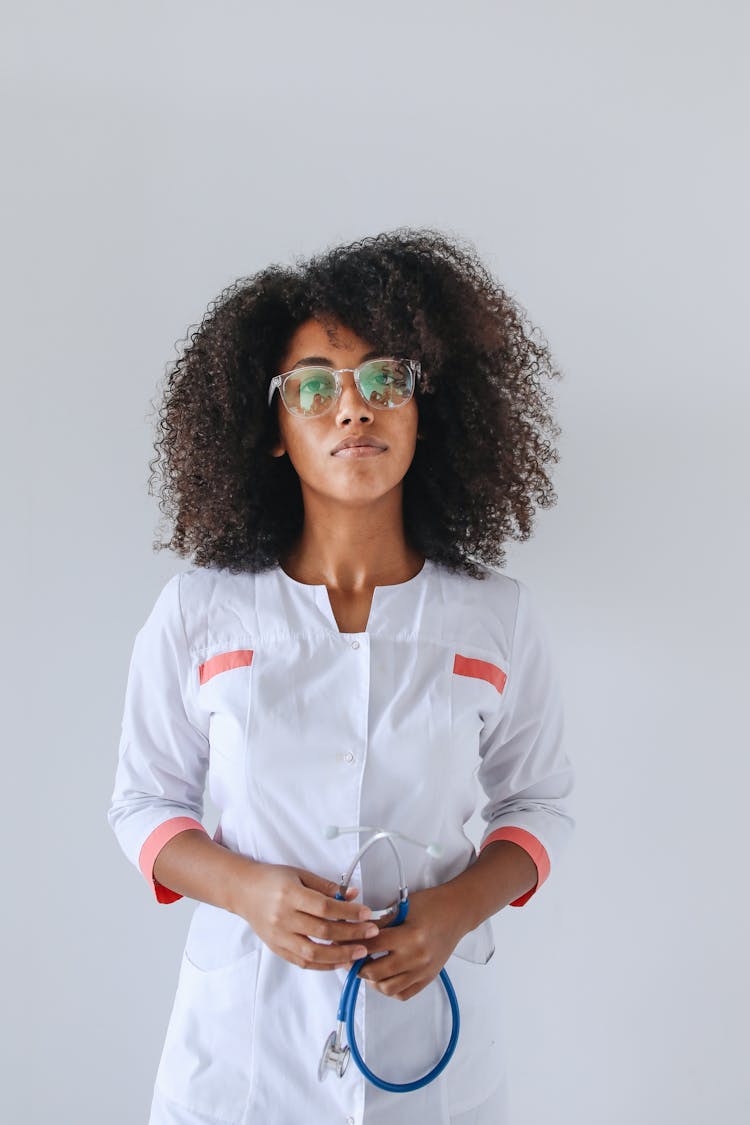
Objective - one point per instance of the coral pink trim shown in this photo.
(482, 669)
(153, 845)
(530, 844)
(223, 661)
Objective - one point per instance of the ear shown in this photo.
(278, 448)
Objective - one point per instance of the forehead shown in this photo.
(324, 340)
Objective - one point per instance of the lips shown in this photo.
(352, 451)
(359, 451)
(364, 444)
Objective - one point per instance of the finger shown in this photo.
(325, 887)
(385, 920)
(333, 931)
(319, 883)
(413, 989)
(381, 943)
(346, 965)
(311, 955)
(400, 987)
(406, 991)
(382, 968)
(315, 968)
(321, 906)
(350, 892)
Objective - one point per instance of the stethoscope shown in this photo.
(335, 1056)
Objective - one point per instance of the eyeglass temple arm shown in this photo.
(275, 382)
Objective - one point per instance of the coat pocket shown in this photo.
(478, 945)
(478, 1065)
(225, 689)
(225, 694)
(206, 1061)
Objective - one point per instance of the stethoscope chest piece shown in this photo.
(334, 1057)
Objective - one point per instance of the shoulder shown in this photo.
(493, 593)
(480, 612)
(199, 584)
(214, 601)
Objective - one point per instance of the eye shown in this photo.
(316, 385)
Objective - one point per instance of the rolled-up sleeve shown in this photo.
(164, 747)
(524, 770)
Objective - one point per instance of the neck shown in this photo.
(346, 550)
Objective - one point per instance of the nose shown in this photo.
(351, 404)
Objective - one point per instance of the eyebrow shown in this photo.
(324, 361)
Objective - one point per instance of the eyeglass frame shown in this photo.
(277, 382)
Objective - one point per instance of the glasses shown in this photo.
(384, 383)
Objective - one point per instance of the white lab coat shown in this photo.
(451, 692)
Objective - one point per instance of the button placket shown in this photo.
(358, 762)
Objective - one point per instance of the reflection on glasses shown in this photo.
(383, 383)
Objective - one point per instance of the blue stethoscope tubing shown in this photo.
(348, 1003)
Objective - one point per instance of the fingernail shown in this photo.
(370, 931)
(357, 953)
(365, 913)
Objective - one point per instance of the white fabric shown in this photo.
(495, 1111)
(322, 728)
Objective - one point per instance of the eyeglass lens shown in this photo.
(385, 384)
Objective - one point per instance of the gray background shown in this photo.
(596, 155)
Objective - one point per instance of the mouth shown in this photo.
(359, 451)
(359, 447)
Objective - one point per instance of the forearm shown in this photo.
(502, 873)
(193, 864)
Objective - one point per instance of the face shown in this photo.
(362, 475)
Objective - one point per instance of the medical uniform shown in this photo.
(450, 696)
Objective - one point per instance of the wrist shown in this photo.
(455, 907)
(502, 873)
(236, 882)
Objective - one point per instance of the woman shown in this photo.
(346, 446)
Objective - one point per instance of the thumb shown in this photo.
(327, 886)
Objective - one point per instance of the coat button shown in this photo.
(355, 644)
(349, 757)
(350, 1121)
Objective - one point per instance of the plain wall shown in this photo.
(596, 156)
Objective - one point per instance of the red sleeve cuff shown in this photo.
(153, 845)
(530, 844)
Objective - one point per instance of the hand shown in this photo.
(418, 948)
(286, 904)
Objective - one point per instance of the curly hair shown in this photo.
(484, 413)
